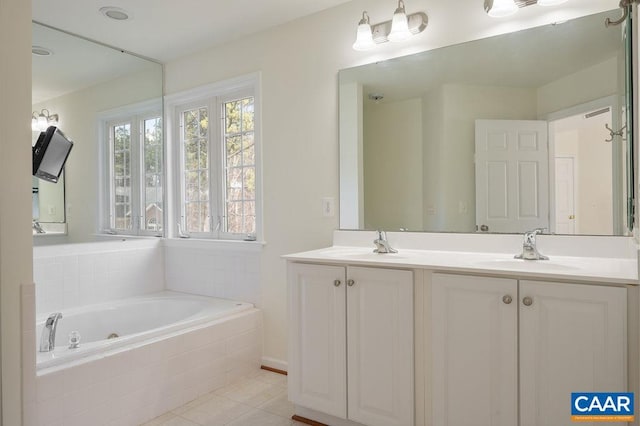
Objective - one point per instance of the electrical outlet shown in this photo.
(328, 207)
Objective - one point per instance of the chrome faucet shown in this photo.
(529, 248)
(48, 338)
(382, 245)
(37, 227)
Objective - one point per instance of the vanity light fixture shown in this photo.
(40, 122)
(502, 8)
(399, 25)
(364, 38)
(400, 28)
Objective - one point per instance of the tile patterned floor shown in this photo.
(259, 400)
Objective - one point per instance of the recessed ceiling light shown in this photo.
(41, 51)
(115, 13)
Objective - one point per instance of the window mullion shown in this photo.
(111, 177)
(214, 166)
(136, 170)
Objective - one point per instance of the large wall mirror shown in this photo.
(503, 134)
(86, 85)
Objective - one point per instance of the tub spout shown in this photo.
(48, 338)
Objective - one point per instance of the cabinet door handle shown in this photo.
(527, 301)
(507, 299)
(337, 283)
(350, 283)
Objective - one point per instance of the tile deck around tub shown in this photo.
(258, 400)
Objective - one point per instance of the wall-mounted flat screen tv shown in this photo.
(50, 153)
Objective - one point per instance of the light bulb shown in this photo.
(399, 25)
(550, 2)
(364, 37)
(42, 122)
(502, 8)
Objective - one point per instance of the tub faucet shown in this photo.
(48, 338)
(529, 248)
(37, 227)
(382, 245)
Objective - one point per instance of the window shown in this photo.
(132, 178)
(216, 154)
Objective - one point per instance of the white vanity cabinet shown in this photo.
(351, 342)
(510, 352)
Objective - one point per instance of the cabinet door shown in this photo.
(317, 338)
(475, 344)
(380, 346)
(572, 339)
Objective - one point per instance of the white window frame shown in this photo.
(136, 114)
(212, 96)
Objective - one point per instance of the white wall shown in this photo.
(598, 81)
(78, 113)
(16, 331)
(433, 134)
(393, 135)
(299, 62)
(450, 187)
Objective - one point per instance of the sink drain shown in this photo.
(112, 336)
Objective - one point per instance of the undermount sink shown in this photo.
(525, 264)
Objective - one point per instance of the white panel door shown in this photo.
(512, 175)
(380, 346)
(565, 195)
(475, 346)
(317, 338)
(572, 339)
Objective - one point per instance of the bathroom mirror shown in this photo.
(81, 82)
(502, 134)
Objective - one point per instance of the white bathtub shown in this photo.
(171, 349)
(133, 320)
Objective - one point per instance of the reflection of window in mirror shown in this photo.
(131, 177)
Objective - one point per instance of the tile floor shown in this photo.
(259, 400)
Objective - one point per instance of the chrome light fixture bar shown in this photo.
(502, 8)
(400, 28)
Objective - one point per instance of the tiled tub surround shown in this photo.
(229, 269)
(71, 275)
(131, 385)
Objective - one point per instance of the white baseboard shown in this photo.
(278, 364)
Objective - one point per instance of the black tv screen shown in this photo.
(50, 153)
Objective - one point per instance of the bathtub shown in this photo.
(170, 349)
(109, 326)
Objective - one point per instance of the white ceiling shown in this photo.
(75, 64)
(167, 29)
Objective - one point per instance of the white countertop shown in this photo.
(589, 269)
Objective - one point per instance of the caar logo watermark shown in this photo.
(602, 407)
